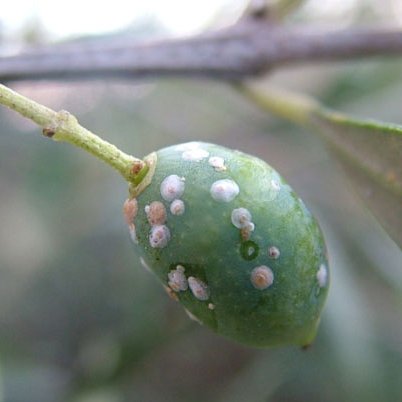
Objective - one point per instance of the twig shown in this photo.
(249, 48)
(62, 126)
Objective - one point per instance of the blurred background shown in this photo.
(82, 321)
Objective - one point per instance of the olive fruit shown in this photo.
(233, 243)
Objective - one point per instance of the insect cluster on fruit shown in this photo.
(233, 243)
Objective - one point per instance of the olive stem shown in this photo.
(291, 106)
(63, 126)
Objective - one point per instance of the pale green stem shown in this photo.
(62, 126)
(290, 106)
(286, 7)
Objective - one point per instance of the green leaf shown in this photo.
(369, 151)
(371, 154)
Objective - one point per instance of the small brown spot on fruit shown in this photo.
(137, 166)
(130, 209)
(172, 187)
(274, 252)
(49, 132)
(224, 190)
(241, 217)
(198, 288)
(159, 236)
(177, 207)
(177, 280)
(245, 232)
(171, 293)
(156, 213)
(262, 277)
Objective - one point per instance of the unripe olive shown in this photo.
(233, 243)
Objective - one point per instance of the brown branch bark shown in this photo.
(246, 49)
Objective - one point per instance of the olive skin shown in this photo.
(229, 239)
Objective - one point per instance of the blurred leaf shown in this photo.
(364, 85)
(371, 154)
(369, 151)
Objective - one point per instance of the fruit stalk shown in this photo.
(62, 126)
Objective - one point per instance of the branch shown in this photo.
(62, 126)
(249, 48)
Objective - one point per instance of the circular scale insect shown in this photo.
(231, 241)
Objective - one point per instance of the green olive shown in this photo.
(230, 240)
